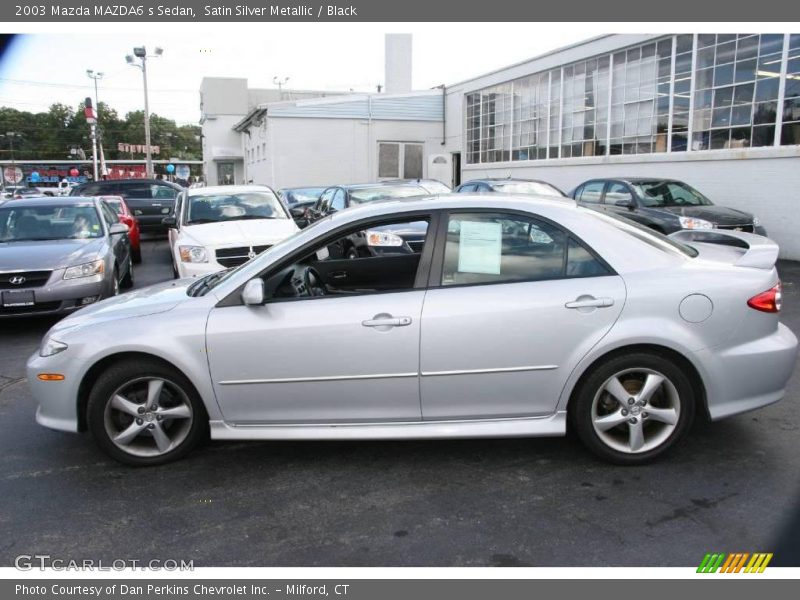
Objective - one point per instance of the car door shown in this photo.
(172, 231)
(344, 357)
(515, 302)
(120, 244)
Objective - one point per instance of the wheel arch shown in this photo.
(669, 353)
(91, 375)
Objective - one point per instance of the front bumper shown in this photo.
(58, 400)
(64, 296)
(750, 375)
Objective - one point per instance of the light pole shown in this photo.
(140, 52)
(280, 83)
(10, 135)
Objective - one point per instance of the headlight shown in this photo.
(383, 239)
(193, 254)
(51, 347)
(96, 267)
(756, 221)
(694, 223)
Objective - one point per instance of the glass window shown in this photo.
(669, 193)
(388, 160)
(49, 222)
(109, 215)
(619, 194)
(582, 263)
(163, 192)
(501, 248)
(324, 201)
(338, 200)
(412, 161)
(591, 192)
(539, 188)
(363, 195)
(214, 208)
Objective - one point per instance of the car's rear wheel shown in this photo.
(127, 281)
(145, 413)
(633, 408)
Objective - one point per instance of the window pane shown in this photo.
(581, 263)
(591, 192)
(388, 160)
(412, 161)
(501, 248)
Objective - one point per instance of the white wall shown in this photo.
(765, 183)
(332, 151)
(221, 143)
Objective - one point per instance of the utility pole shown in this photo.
(140, 52)
(99, 132)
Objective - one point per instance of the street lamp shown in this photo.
(95, 76)
(10, 135)
(140, 52)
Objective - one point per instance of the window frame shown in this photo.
(421, 281)
(437, 264)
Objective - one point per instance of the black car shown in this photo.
(150, 199)
(298, 200)
(510, 186)
(384, 240)
(665, 205)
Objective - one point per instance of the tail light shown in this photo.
(769, 301)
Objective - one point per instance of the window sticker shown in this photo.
(480, 247)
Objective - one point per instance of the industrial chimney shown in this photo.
(398, 63)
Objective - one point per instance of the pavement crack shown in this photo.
(689, 511)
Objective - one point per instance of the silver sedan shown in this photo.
(510, 318)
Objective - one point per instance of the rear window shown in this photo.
(645, 234)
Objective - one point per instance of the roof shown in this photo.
(51, 201)
(634, 179)
(227, 189)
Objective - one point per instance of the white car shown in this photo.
(216, 228)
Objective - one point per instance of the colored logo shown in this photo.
(739, 562)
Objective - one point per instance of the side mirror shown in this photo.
(118, 228)
(625, 204)
(169, 221)
(298, 212)
(253, 292)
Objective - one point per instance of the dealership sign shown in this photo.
(137, 148)
(12, 175)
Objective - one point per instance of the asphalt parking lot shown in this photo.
(731, 486)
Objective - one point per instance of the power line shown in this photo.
(74, 86)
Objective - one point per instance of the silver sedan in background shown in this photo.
(60, 254)
(512, 317)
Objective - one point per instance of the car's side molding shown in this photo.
(547, 425)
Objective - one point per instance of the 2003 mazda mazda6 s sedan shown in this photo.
(513, 316)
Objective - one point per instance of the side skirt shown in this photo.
(551, 425)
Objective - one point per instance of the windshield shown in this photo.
(214, 208)
(669, 193)
(49, 222)
(539, 188)
(301, 195)
(644, 234)
(385, 192)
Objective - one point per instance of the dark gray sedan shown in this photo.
(59, 254)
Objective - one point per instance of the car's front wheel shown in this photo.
(145, 413)
(633, 408)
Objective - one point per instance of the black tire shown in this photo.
(114, 283)
(113, 379)
(137, 255)
(127, 281)
(677, 385)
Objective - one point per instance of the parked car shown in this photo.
(119, 206)
(220, 227)
(408, 238)
(28, 193)
(60, 254)
(510, 186)
(150, 199)
(664, 205)
(10, 190)
(518, 314)
(299, 200)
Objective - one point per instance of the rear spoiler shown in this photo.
(760, 252)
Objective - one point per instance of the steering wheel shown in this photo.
(313, 282)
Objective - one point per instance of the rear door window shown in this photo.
(591, 193)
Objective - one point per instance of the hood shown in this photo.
(255, 232)
(49, 255)
(151, 300)
(721, 215)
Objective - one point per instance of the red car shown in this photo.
(118, 204)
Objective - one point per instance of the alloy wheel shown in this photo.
(148, 416)
(636, 410)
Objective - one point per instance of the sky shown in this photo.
(43, 68)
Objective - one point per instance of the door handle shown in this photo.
(386, 321)
(590, 302)
(338, 275)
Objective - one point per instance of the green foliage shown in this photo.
(51, 134)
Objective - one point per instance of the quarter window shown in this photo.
(591, 193)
